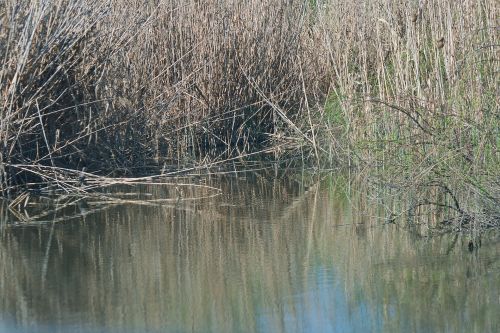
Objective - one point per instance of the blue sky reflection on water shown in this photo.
(324, 308)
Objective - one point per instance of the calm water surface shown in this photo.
(264, 255)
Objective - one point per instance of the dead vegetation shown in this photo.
(129, 88)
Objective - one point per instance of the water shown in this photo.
(261, 255)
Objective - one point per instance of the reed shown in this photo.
(119, 85)
(414, 100)
(405, 89)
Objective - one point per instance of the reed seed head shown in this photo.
(440, 43)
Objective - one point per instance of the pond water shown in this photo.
(261, 255)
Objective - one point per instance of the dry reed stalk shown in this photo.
(119, 84)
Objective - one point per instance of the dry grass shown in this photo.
(116, 86)
(415, 99)
(121, 85)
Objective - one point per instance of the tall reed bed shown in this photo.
(406, 88)
(119, 85)
(415, 98)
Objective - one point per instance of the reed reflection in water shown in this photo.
(267, 255)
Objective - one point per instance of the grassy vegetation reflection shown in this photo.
(267, 256)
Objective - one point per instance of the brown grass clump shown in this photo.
(119, 85)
